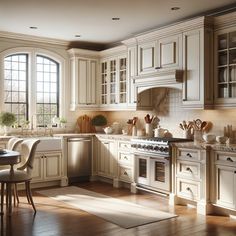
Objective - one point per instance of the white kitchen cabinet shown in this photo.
(146, 57)
(47, 166)
(3, 144)
(192, 177)
(169, 53)
(107, 158)
(225, 67)
(225, 179)
(125, 162)
(197, 67)
(114, 82)
(84, 74)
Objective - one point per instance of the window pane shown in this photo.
(15, 88)
(47, 89)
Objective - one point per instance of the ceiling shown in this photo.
(92, 19)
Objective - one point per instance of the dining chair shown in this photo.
(13, 143)
(21, 175)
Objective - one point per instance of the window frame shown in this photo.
(32, 53)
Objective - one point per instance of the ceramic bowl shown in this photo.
(108, 130)
(221, 139)
(209, 138)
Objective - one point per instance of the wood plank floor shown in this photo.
(56, 218)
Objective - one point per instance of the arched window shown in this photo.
(31, 87)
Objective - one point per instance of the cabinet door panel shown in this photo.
(82, 80)
(37, 173)
(146, 58)
(91, 83)
(226, 184)
(52, 166)
(192, 66)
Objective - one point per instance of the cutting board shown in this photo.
(84, 124)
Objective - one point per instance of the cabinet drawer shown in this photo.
(124, 145)
(188, 189)
(189, 169)
(225, 158)
(125, 158)
(189, 154)
(125, 173)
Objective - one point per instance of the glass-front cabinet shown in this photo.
(114, 81)
(225, 75)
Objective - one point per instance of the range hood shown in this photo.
(168, 78)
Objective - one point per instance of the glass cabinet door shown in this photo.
(113, 82)
(226, 68)
(104, 83)
(123, 80)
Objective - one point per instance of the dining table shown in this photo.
(9, 157)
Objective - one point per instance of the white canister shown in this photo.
(149, 130)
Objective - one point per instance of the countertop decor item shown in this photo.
(7, 119)
(108, 130)
(83, 124)
(187, 128)
(98, 121)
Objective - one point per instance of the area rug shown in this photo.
(122, 213)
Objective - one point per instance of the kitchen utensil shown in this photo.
(181, 126)
(204, 123)
(198, 124)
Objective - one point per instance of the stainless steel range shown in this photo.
(153, 163)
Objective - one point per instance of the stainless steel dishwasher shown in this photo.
(79, 159)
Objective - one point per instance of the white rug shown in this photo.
(122, 213)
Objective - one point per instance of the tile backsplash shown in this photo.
(171, 113)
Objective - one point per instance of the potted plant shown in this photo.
(7, 119)
(99, 121)
(63, 122)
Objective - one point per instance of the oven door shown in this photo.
(142, 169)
(160, 173)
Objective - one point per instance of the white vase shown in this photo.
(6, 130)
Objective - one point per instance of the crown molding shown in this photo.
(25, 37)
(225, 21)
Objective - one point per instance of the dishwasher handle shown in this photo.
(79, 140)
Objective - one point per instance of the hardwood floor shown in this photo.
(56, 218)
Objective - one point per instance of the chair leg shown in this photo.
(16, 193)
(27, 194)
(2, 197)
(9, 199)
(27, 185)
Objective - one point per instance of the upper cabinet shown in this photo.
(113, 79)
(84, 74)
(178, 56)
(198, 67)
(225, 60)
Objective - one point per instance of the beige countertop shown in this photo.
(215, 146)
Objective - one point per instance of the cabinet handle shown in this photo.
(125, 173)
(158, 67)
(135, 101)
(188, 189)
(189, 169)
(125, 157)
(42, 156)
(189, 155)
(229, 159)
(235, 172)
(184, 99)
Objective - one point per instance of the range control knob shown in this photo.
(161, 149)
(134, 145)
(156, 148)
(166, 149)
(149, 147)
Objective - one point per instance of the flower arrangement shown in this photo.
(7, 119)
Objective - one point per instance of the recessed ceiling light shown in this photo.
(33, 27)
(115, 18)
(175, 8)
(77, 35)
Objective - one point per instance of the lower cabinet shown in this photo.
(125, 162)
(225, 179)
(192, 177)
(47, 166)
(107, 158)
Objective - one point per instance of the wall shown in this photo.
(171, 113)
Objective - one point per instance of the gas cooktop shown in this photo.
(164, 140)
